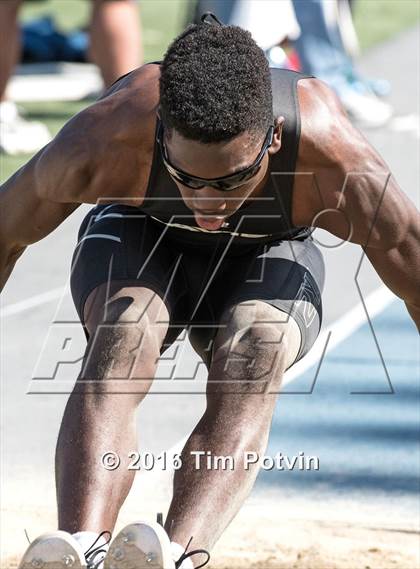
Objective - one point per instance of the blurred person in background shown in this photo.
(350, 42)
(272, 24)
(115, 46)
(323, 35)
(324, 25)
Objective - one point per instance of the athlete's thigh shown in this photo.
(122, 271)
(288, 276)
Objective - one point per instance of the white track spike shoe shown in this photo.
(56, 550)
(143, 545)
(140, 545)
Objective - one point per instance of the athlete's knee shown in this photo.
(124, 345)
(258, 328)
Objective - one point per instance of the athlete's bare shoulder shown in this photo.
(330, 148)
(144, 80)
(325, 127)
(111, 142)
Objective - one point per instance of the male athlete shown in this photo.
(208, 169)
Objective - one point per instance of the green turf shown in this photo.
(379, 20)
(376, 20)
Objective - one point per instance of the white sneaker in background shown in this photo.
(57, 550)
(19, 136)
(366, 109)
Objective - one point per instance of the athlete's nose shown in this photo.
(208, 202)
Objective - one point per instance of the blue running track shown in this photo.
(361, 420)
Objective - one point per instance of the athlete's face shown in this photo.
(209, 205)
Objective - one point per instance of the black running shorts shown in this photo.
(121, 243)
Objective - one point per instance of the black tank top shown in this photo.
(264, 219)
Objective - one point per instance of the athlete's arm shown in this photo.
(355, 197)
(41, 194)
(102, 155)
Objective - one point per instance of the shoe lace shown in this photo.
(92, 552)
(27, 536)
(187, 554)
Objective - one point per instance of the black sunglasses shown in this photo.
(225, 183)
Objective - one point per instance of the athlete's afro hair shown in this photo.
(215, 84)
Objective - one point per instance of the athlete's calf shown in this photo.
(126, 327)
(252, 351)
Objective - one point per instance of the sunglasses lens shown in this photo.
(193, 184)
(224, 184)
(236, 182)
(186, 181)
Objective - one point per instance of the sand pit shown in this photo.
(265, 535)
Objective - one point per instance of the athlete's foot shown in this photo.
(57, 550)
(144, 545)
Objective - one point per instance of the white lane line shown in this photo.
(341, 329)
(31, 302)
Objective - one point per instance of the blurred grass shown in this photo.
(379, 20)
(375, 20)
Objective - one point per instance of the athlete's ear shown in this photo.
(278, 129)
